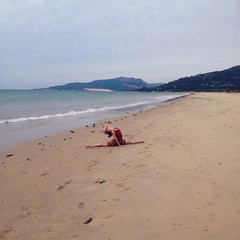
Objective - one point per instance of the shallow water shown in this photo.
(31, 114)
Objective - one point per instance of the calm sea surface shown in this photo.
(31, 114)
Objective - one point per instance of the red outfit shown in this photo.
(118, 134)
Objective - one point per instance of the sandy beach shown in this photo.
(182, 183)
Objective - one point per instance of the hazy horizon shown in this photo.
(48, 43)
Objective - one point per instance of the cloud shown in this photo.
(116, 36)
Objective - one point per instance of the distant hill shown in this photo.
(117, 84)
(220, 81)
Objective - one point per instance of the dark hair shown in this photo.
(109, 134)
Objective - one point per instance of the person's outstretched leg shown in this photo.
(97, 145)
(131, 142)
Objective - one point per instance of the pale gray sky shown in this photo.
(52, 42)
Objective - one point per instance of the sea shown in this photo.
(30, 114)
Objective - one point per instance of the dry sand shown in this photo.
(182, 183)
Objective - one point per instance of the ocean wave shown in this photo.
(154, 100)
(71, 113)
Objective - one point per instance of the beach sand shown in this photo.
(182, 183)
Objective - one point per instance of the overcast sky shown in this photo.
(53, 42)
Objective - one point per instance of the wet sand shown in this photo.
(182, 183)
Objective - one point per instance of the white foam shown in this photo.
(70, 113)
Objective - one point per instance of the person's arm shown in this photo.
(115, 137)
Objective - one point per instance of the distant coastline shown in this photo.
(98, 90)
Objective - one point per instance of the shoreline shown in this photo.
(31, 131)
(181, 183)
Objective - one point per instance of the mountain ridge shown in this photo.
(116, 84)
(227, 80)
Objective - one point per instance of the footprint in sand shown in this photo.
(125, 165)
(123, 186)
(25, 214)
(4, 232)
(116, 199)
(141, 165)
(109, 216)
(24, 207)
(92, 164)
(43, 175)
(61, 187)
(143, 152)
(81, 205)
